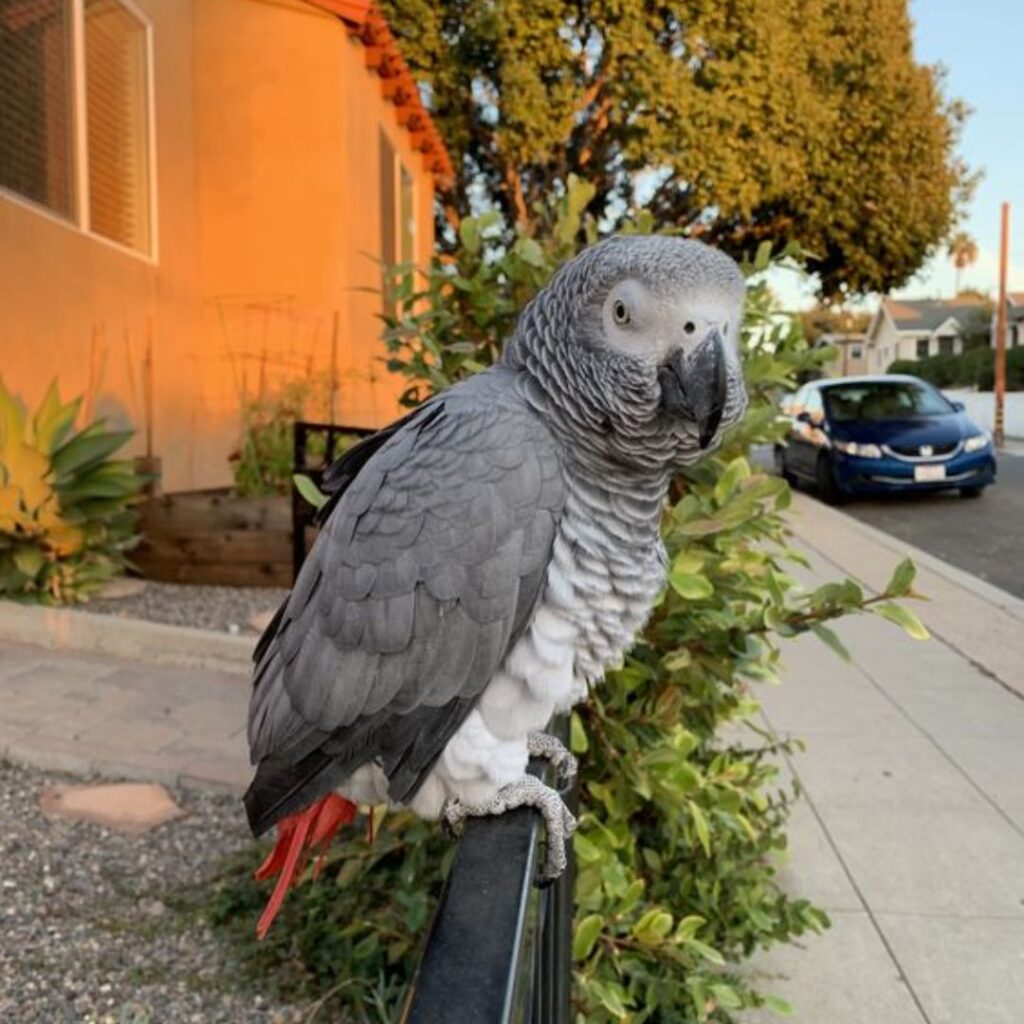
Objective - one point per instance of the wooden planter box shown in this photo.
(215, 537)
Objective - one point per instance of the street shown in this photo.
(981, 536)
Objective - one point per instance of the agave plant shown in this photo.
(66, 507)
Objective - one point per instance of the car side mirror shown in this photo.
(958, 406)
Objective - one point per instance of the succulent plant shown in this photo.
(67, 517)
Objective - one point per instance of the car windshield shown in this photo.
(883, 400)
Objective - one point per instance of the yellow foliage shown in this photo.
(28, 503)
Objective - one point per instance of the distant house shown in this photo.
(915, 329)
(1014, 321)
(215, 182)
(851, 356)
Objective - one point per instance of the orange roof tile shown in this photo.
(366, 23)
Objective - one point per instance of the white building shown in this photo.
(1014, 321)
(915, 329)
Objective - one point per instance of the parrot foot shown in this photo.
(542, 744)
(528, 791)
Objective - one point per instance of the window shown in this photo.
(35, 103)
(397, 216)
(856, 352)
(74, 114)
(883, 400)
(116, 116)
(946, 345)
(388, 251)
(407, 218)
(922, 348)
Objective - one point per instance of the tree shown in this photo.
(824, 319)
(963, 251)
(786, 120)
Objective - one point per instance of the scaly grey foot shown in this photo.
(542, 744)
(528, 791)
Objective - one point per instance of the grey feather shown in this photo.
(425, 576)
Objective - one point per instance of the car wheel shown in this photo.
(828, 489)
(971, 492)
(781, 469)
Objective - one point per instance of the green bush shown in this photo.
(66, 507)
(683, 812)
(974, 368)
(263, 464)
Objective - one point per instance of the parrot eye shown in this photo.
(689, 327)
(620, 313)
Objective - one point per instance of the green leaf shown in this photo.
(904, 618)
(726, 996)
(700, 824)
(690, 586)
(29, 560)
(829, 638)
(578, 742)
(779, 1006)
(902, 579)
(309, 490)
(86, 449)
(586, 935)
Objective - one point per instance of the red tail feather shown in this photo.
(297, 836)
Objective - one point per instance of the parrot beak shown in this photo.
(695, 385)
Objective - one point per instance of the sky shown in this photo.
(981, 45)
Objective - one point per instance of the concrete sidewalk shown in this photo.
(911, 836)
(87, 713)
(912, 833)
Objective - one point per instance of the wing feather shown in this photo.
(429, 564)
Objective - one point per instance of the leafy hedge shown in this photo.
(974, 368)
(683, 812)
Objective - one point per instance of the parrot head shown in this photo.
(635, 344)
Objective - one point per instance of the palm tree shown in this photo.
(963, 250)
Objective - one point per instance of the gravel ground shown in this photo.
(224, 609)
(85, 934)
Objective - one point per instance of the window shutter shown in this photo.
(35, 102)
(116, 124)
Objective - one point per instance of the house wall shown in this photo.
(885, 347)
(76, 306)
(268, 211)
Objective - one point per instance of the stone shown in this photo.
(120, 587)
(260, 620)
(132, 807)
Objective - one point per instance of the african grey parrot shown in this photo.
(483, 560)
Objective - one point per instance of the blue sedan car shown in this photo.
(876, 435)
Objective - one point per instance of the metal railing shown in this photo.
(304, 462)
(500, 948)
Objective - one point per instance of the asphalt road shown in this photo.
(983, 536)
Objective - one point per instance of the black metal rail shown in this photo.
(499, 949)
(313, 466)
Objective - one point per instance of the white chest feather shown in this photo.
(597, 594)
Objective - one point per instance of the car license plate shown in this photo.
(928, 474)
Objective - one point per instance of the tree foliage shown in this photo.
(789, 120)
(683, 810)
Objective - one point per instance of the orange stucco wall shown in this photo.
(268, 213)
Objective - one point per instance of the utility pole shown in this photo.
(1000, 367)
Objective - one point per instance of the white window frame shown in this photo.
(79, 217)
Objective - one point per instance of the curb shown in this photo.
(138, 639)
(988, 592)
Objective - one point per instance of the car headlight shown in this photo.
(976, 443)
(863, 451)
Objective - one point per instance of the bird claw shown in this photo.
(528, 791)
(542, 744)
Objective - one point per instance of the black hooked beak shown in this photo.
(695, 385)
